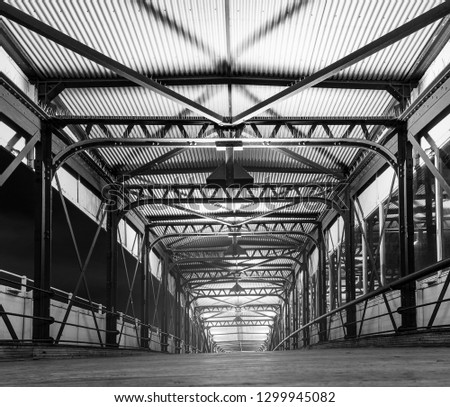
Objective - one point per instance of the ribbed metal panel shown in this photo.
(315, 34)
(157, 38)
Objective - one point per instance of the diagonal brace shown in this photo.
(15, 163)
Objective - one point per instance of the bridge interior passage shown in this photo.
(223, 176)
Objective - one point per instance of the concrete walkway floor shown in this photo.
(317, 367)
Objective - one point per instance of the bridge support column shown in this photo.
(350, 286)
(165, 306)
(145, 290)
(112, 223)
(321, 297)
(305, 303)
(187, 328)
(295, 315)
(178, 315)
(43, 237)
(406, 228)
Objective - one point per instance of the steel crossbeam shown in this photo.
(231, 323)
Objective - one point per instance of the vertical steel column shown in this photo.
(430, 228)
(287, 328)
(43, 237)
(187, 341)
(332, 280)
(406, 227)
(350, 289)
(145, 279)
(339, 275)
(295, 314)
(365, 266)
(177, 316)
(112, 223)
(321, 297)
(305, 303)
(165, 306)
(439, 207)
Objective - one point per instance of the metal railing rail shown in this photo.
(24, 284)
(395, 285)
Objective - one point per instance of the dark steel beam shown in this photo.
(249, 168)
(61, 121)
(373, 47)
(91, 54)
(224, 201)
(85, 145)
(272, 185)
(83, 83)
(298, 217)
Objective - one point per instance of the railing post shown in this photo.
(112, 223)
(406, 228)
(43, 237)
(350, 286)
(145, 290)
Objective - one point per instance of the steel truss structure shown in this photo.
(234, 255)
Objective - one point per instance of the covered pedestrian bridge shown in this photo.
(225, 176)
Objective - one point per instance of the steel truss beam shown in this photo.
(276, 282)
(250, 253)
(275, 278)
(270, 272)
(248, 246)
(85, 145)
(224, 201)
(250, 307)
(91, 54)
(250, 322)
(231, 261)
(248, 292)
(213, 226)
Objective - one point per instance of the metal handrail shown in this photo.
(96, 307)
(381, 290)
